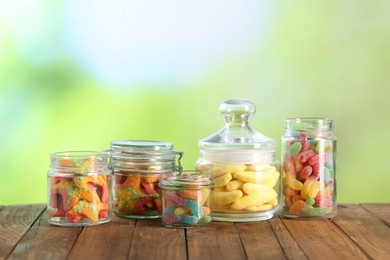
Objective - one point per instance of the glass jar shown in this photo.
(79, 189)
(137, 166)
(243, 167)
(185, 199)
(309, 168)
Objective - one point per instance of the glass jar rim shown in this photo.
(189, 179)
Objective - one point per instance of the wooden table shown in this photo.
(357, 232)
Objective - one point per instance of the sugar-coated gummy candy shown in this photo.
(297, 207)
(204, 219)
(195, 208)
(304, 156)
(174, 198)
(310, 210)
(191, 220)
(305, 173)
(302, 126)
(310, 201)
(294, 148)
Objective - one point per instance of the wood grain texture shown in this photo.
(259, 240)
(151, 240)
(218, 240)
(368, 232)
(46, 241)
(381, 211)
(106, 241)
(321, 239)
(357, 232)
(290, 247)
(15, 222)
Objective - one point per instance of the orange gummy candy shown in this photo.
(297, 207)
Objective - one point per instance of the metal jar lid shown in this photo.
(143, 155)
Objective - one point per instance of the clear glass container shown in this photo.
(309, 168)
(79, 189)
(243, 167)
(137, 166)
(185, 199)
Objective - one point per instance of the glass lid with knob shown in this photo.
(237, 140)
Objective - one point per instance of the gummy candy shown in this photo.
(185, 207)
(297, 207)
(304, 156)
(294, 148)
(305, 173)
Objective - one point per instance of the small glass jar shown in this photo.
(79, 189)
(309, 168)
(243, 167)
(137, 166)
(185, 199)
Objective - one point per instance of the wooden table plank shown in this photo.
(151, 240)
(321, 239)
(259, 240)
(46, 241)
(368, 232)
(290, 246)
(105, 241)
(15, 222)
(381, 211)
(217, 240)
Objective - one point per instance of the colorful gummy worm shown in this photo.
(137, 195)
(309, 174)
(186, 207)
(76, 197)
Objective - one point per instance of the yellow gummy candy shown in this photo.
(314, 189)
(306, 187)
(259, 177)
(221, 198)
(222, 180)
(254, 200)
(293, 183)
(251, 188)
(234, 185)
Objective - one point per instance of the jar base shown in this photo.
(308, 217)
(64, 222)
(136, 216)
(240, 217)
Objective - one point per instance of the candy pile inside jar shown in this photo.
(79, 188)
(309, 168)
(185, 199)
(137, 194)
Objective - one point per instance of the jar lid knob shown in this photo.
(237, 109)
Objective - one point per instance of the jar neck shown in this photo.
(238, 156)
(309, 127)
(82, 162)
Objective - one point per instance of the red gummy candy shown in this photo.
(316, 172)
(314, 159)
(305, 173)
(304, 156)
(324, 201)
(305, 143)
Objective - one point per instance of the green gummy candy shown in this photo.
(310, 201)
(204, 219)
(302, 126)
(295, 148)
(310, 210)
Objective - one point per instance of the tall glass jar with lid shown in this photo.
(137, 166)
(243, 167)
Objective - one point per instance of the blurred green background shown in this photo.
(75, 75)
